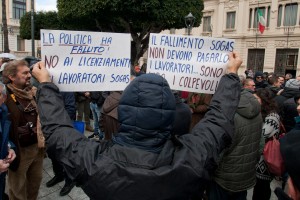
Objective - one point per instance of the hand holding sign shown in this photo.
(40, 72)
(234, 63)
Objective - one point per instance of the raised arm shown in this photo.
(214, 132)
(72, 149)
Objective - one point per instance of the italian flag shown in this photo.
(261, 22)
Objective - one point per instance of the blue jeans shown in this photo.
(96, 116)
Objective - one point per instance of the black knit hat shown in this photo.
(290, 148)
(258, 73)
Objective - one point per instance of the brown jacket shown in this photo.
(109, 114)
(14, 116)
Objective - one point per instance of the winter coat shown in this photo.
(142, 163)
(271, 127)
(5, 125)
(289, 112)
(16, 117)
(236, 170)
(285, 95)
(109, 114)
(274, 90)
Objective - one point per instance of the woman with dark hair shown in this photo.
(271, 127)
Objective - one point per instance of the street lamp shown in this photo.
(189, 22)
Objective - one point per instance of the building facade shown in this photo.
(274, 50)
(15, 9)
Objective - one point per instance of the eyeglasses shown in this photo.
(259, 77)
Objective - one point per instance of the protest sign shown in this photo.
(87, 61)
(194, 64)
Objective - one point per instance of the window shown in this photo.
(207, 24)
(279, 16)
(230, 22)
(20, 44)
(291, 61)
(263, 11)
(268, 16)
(290, 14)
(256, 59)
(250, 18)
(19, 8)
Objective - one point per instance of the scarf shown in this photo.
(29, 94)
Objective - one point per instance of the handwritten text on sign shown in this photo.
(87, 61)
(193, 64)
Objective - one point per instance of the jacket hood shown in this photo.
(146, 113)
(290, 92)
(248, 106)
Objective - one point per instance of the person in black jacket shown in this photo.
(259, 80)
(286, 103)
(59, 174)
(290, 148)
(142, 162)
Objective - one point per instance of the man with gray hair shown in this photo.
(249, 85)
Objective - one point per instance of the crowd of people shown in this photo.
(148, 141)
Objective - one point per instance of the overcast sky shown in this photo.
(45, 5)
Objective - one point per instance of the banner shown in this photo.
(87, 61)
(188, 63)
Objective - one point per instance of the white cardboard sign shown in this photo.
(188, 63)
(87, 61)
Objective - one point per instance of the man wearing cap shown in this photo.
(259, 80)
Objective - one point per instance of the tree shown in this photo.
(4, 28)
(42, 20)
(137, 17)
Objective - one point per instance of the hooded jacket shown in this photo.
(236, 170)
(142, 162)
(285, 95)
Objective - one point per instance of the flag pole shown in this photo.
(256, 34)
